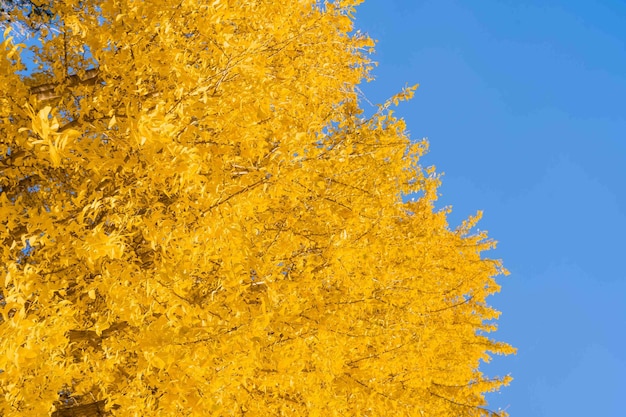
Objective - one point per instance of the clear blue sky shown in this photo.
(524, 105)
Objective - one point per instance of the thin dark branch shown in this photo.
(489, 412)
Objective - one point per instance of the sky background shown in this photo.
(524, 106)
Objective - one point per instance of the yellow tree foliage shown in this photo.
(197, 219)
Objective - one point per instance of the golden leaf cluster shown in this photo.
(196, 218)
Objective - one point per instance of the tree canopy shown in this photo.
(198, 218)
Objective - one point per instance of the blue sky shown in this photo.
(524, 105)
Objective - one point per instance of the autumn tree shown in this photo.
(197, 218)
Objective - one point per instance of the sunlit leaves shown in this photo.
(198, 219)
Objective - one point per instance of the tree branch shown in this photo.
(45, 92)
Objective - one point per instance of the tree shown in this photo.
(198, 219)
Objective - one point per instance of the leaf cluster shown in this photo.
(197, 219)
